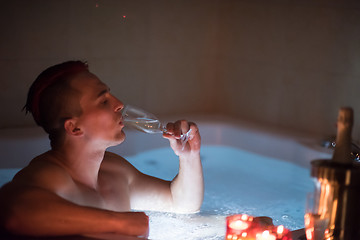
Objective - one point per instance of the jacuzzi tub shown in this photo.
(247, 169)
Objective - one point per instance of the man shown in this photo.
(78, 187)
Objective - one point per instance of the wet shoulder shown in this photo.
(116, 164)
(43, 172)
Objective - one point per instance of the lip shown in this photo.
(121, 122)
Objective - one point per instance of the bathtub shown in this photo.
(248, 168)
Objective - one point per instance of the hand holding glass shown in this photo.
(147, 122)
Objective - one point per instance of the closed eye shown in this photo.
(103, 95)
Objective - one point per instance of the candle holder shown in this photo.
(245, 227)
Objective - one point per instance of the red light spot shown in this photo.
(124, 16)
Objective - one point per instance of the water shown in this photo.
(236, 181)
(6, 175)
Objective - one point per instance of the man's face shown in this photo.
(101, 120)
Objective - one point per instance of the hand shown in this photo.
(130, 225)
(134, 224)
(173, 133)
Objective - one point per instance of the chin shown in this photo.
(116, 139)
(120, 137)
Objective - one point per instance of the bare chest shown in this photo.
(114, 190)
(111, 194)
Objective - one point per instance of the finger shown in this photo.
(194, 137)
(193, 128)
(182, 128)
(177, 128)
(185, 126)
(169, 130)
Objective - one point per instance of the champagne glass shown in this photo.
(147, 122)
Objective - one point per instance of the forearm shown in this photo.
(37, 212)
(187, 188)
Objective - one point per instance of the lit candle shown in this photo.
(265, 235)
(243, 227)
(237, 226)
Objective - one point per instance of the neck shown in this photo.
(81, 161)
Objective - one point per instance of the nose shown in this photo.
(118, 105)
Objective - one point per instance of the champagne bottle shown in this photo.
(342, 152)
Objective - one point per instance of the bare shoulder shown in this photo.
(114, 160)
(116, 164)
(44, 173)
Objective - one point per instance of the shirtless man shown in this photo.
(78, 187)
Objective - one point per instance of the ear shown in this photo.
(71, 127)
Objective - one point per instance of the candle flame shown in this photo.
(241, 227)
(265, 236)
(238, 225)
(309, 233)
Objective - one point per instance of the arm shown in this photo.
(35, 211)
(184, 194)
(187, 188)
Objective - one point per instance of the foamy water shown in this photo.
(235, 182)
